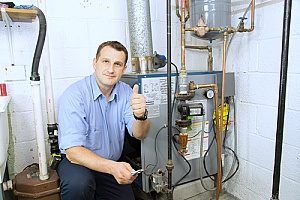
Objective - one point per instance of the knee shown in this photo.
(78, 187)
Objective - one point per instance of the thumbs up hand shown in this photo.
(138, 102)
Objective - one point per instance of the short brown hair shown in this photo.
(114, 44)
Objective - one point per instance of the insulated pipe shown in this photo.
(37, 104)
(140, 35)
(169, 164)
(282, 96)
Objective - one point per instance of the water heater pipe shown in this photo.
(36, 97)
(282, 96)
(218, 121)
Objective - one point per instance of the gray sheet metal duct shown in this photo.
(140, 35)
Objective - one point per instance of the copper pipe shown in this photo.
(192, 87)
(241, 25)
(182, 20)
(220, 29)
(210, 57)
(177, 9)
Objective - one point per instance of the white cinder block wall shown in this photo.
(75, 29)
(256, 58)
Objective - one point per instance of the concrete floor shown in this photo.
(188, 191)
(208, 195)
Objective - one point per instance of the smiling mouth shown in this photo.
(109, 76)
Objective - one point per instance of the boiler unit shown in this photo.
(151, 153)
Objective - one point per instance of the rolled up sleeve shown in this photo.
(71, 121)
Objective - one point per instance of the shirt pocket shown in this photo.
(96, 139)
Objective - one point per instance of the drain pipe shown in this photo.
(169, 164)
(36, 96)
(282, 95)
(51, 124)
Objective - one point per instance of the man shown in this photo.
(92, 115)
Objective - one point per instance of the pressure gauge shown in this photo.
(209, 94)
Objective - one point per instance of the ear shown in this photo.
(124, 69)
(94, 63)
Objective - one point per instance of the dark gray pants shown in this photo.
(80, 183)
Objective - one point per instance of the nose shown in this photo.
(111, 68)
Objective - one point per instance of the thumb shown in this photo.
(135, 89)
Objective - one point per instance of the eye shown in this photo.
(105, 61)
(118, 65)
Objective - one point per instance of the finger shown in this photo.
(135, 89)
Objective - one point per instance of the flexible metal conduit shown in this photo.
(282, 96)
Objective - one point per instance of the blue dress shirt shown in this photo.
(86, 118)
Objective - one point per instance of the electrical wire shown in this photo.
(155, 149)
(189, 165)
(165, 126)
(231, 171)
(228, 177)
(176, 86)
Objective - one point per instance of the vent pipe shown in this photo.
(140, 36)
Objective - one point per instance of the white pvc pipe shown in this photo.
(47, 74)
(39, 130)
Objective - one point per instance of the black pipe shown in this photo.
(39, 46)
(282, 96)
(169, 165)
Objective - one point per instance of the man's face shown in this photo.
(109, 67)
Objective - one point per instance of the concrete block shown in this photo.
(269, 54)
(97, 33)
(289, 189)
(266, 121)
(66, 64)
(21, 96)
(25, 154)
(290, 162)
(293, 94)
(294, 54)
(23, 128)
(272, 21)
(292, 128)
(247, 117)
(263, 88)
(261, 151)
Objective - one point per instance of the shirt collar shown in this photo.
(97, 92)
